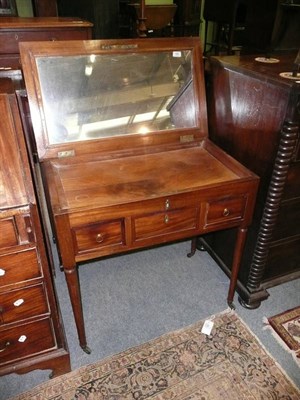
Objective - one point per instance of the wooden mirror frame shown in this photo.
(30, 52)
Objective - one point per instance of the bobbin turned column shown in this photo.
(283, 160)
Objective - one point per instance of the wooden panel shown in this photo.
(77, 185)
(43, 23)
(292, 186)
(11, 263)
(9, 41)
(282, 259)
(245, 117)
(103, 14)
(12, 188)
(288, 220)
(26, 341)
(10, 62)
(8, 233)
(225, 210)
(18, 305)
(18, 29)
(44, 8)
(10, 80)
(15, 230)
(159, 224)
(99, 236)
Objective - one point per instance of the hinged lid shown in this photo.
(101, 96)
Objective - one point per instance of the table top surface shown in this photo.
(136, 178)
(277, 68)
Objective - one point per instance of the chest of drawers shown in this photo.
(254, 115)
(121, 138)
(31, 330)
(14, 30)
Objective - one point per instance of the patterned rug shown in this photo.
(226, 363)
(287, 328)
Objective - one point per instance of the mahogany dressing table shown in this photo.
(121, 139)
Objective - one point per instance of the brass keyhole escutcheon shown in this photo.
(167, 204)
(166, 219)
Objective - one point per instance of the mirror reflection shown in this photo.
(95, 96)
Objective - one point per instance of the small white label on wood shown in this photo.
(207, 327)
(176, 53)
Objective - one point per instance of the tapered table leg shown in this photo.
(72, 279)
(238, 251)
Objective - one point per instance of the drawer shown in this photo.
(9, 41)
(102, 235)
(165, 223)
(26, 340)
(21, 304)
(19, 267)
(225, 210)
(15, 230)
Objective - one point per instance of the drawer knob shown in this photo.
(18, 302)
(5, 347)
(2, 272)
(167, 204)
(99, 238)
(22, 338)
(16, 37)
(166, 219)
(226, 212)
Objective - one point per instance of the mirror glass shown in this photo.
(95, 96)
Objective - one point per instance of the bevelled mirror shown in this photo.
(109, 90)
(89, 97)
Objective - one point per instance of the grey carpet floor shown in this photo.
(133, 298)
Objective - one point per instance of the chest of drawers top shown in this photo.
(14, 30)
(27, 23)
